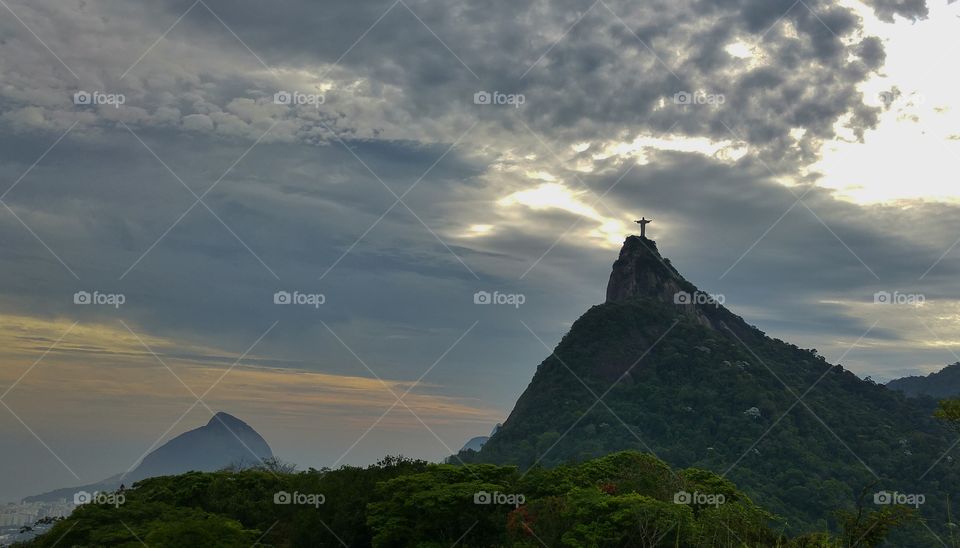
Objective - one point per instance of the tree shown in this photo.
(948, 411)
(865, 529)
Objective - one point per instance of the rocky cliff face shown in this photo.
(640, 272)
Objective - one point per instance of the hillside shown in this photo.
(940, 384)
(697, 386)
(626, 499)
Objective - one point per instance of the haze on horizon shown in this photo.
(797, 158)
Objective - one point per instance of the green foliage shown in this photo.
(154, 523)
(618, 520)
(438, 505)
(871, 528)
(623, 499)
(948, 411)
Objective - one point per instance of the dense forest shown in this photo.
(726, 400)
(623, 499)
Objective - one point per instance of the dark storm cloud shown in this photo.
(588, 71)
(629, 57)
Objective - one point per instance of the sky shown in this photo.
(179, 167)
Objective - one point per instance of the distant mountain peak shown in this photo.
(224, 440)
(226, 419)
(944, 383)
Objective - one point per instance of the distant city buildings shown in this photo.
(19, 514)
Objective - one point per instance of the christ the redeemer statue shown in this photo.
(643, 222)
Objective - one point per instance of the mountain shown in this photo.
(475, 443)
(225, 440)
(941, 384)
(686, 379)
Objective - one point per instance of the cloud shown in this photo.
(98, 378)
(197, 122)
(528, 200)
(910, 9)
(570, 66)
